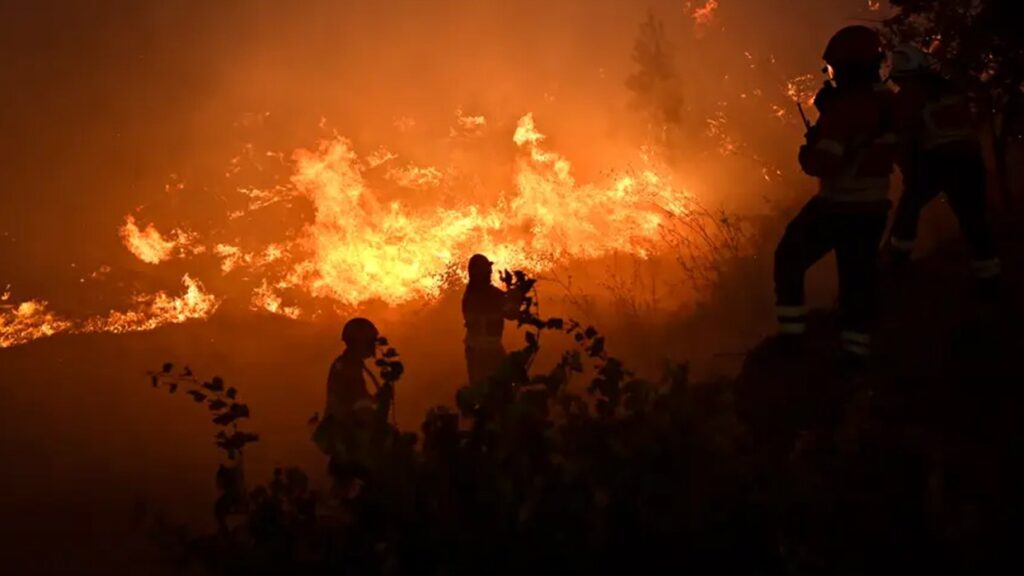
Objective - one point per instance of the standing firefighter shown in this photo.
(485, 308)
(940, 153)
(349, 404)
(851, 151)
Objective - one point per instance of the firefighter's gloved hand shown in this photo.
(517, 294)
(825, 97)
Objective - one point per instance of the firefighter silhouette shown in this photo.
(485, 308)
(851, 150)
(939, 152)
(349, 404)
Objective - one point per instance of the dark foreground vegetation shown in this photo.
(797, 466)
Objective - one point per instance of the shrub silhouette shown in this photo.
(791, 468)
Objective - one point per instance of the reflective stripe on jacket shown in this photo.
(933, 114)
(484, 310)
(855, 150)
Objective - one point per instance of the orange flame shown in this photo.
(31, 320)
(361, 248)
(415, 177)
(153, 311)
(28, 321)
(264, 298)
(151, 247)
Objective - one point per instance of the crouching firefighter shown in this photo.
(485, 308)
(939, 152)
(851, 151)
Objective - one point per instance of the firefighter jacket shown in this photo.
(485, 308)
(852, 148)
(934, 115)
(346, 386)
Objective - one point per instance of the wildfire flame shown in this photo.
(416, 177)
(264, 298)
(361, 246)
(29, 321)
(372, 226)
(155, 310)
(32, 320)
(150, 246)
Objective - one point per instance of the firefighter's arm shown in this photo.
(512, 302)
(822, 155)
(332, 382)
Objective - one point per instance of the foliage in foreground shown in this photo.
(793, 468)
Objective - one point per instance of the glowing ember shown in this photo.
(717, 124)
(802, 89)
(468, 125)
(703, 15)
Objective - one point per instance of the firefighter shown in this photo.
(485, 308)
(851, 151)
(349, 403)
(939, 152)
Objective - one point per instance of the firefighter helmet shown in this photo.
(480, 265)
(359, 331)
(854, 45)
(908, 59)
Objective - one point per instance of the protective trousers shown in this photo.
(962, 177)
(854, 232)
(482, 362)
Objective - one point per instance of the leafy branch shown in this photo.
(222, 402)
